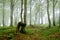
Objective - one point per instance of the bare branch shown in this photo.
(55, 3)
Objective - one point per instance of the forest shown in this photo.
(29, 19)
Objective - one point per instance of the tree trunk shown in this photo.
(48, 14)
(59, 18)
(59, 14)
(15, 21)
(11, 24)
(25, 10)
(41, 18)
(30, 12)
(21, 10)
(53, 13)
(39, 11)
(35, 18)
(3, 13)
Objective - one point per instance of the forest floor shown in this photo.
(33, 33)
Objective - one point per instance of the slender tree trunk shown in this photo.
(15, 21)
(59, 18)
(48, 14)
(25, 10)
(3, 13)
(41, 18)
(21, 10)
(59, 14)
(35, 18)
(53, 13)
(30, 12)
(11, 24)
(39, 11)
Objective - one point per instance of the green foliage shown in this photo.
(49, 31)
(38, 33)
(6, 29)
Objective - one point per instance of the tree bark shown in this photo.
(59, 14)
(21, 10)
(48, 14)
(41, 18)
(59, 18)
(30, 12)
(3, 13)
(35, 18)
(11, 24)
(25, 10)
(53, 13)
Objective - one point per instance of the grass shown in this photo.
(39, 33)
